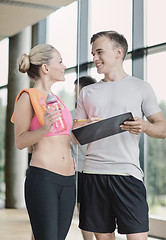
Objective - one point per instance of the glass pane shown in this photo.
(65, 90)
(4, 61)
(156, 74)
(3, 103)
(62, 33)
(156, 167)
(156, 19)
(128, 66)
(111, 15)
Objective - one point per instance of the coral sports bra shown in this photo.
(38, 102)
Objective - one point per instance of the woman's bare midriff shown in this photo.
(54, 154)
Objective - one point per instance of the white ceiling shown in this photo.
(16, 15)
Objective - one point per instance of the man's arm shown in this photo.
(155, 126)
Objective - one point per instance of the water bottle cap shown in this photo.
(50, 98)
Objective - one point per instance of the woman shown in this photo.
(50, 180)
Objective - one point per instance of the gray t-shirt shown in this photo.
(117, 154)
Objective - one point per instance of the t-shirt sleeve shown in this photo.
(81, 112)
(149, 105)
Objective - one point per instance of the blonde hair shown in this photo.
(40, 54)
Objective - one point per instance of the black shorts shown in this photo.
(108, 201)
(79, 186)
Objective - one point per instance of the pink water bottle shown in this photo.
(59, 125)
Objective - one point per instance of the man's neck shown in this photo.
(112, 77)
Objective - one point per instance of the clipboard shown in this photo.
(101, 129)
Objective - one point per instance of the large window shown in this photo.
(156, 148)
(3, 103)
(111, 15)
(62, 33)
(156, 19)
(4, 62)
(156, 158)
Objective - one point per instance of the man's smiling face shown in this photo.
(105, 54)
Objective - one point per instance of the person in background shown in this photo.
(113, 192)
(83, 81)
(50, 185)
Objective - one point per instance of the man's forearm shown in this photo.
(156, 130)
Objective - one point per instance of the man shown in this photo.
(79, 153)
(112, 177)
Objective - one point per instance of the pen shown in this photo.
(80, 120)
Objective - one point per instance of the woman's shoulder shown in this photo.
(32, 92)
(22, 94)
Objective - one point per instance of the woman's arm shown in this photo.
(23, 114)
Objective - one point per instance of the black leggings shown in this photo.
(50, 200)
